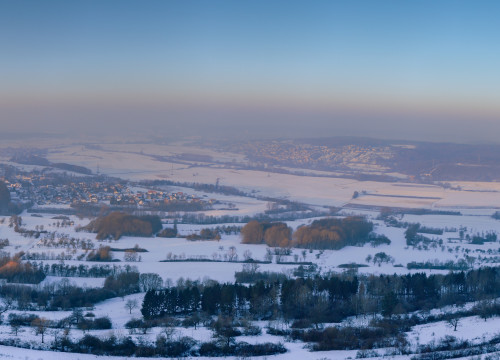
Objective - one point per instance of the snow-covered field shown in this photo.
(475, 201)
(159, 249)
(138, 161)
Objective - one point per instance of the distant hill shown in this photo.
(30, 159)
(357, 157)
(73, 168)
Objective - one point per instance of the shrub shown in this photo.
(102, 254)
(102, 323)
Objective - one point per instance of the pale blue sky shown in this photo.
(340, 67)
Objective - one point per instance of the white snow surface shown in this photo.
(476, 201)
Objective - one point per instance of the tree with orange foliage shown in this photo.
(278, 235)
(333, 233)
(252, 233)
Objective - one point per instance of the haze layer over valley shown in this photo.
(103, 230)
(369, 170)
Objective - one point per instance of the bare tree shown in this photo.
(150, 281)
(131, 256)
(5, 306)
(317, 312)
(269, 256)
(169, 332)
(131, 304)
(251, 268)
(145, 326)
(57, 334)
(232, 254)
(41, 326)
(453, 322)
(77, 316)
(224, 330)
(247, 255)
(15, 326)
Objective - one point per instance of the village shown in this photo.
(46, 188)
(287, 153)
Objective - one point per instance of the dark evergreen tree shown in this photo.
(4, 198)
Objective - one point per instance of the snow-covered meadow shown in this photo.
(476, 202)
(159, 249)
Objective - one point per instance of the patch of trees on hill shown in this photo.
(73, 168)
(118, 224)
(169, 232)
(412, 236)
(273, 234)
(329, 233)
(102, 254)
(480, 239)
(321, 299)
(31, 159)
(205, 234)
(333, 233)
(211, 188)
(261, 300)
(15, 271)
(67, 296)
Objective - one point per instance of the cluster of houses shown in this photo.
(279, 152)
(42, 189)
(155, 197)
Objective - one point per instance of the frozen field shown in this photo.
(140, 161)
(476, 202)
(158, 249)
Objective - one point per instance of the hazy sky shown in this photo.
(407, 69)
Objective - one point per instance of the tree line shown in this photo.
(328, 298)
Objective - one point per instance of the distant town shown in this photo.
(48, 188)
